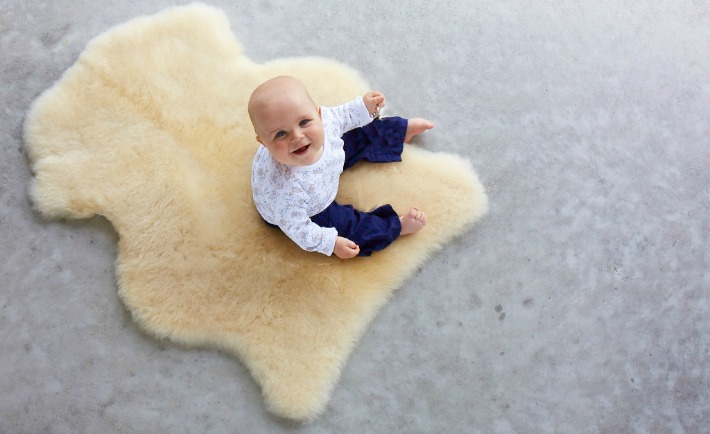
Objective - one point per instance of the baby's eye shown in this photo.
(280, 134)
(304, 122)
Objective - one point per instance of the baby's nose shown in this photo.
(297, 134)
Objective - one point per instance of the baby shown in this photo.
(305, 148)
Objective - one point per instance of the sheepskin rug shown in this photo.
(149, 128)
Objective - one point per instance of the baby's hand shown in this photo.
(345, 249)
(374, 101)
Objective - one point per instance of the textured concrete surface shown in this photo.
(580, 304)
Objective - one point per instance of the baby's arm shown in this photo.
(285, 210)
(345, 249)
(342, 247)
(308, 235)
(348, 116)
(312, 237)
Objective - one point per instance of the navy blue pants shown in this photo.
(380, 141)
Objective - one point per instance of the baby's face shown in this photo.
(291, 129)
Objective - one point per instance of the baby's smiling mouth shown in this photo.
(302, 150)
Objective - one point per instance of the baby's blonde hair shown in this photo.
(271, 90)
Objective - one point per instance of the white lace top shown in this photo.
(287, 196)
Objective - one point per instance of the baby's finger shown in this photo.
(376, 95)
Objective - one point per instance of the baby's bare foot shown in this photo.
(416, 126)
(413, 221)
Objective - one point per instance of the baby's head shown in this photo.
(287, 121)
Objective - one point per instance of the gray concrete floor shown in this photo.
(580, 304)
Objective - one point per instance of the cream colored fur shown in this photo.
(149, 128)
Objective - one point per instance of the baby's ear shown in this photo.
(319, 115)
(258, 139)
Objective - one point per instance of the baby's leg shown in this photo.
(415, 127)
(371, 231)
(413, 221)
(380, 141)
